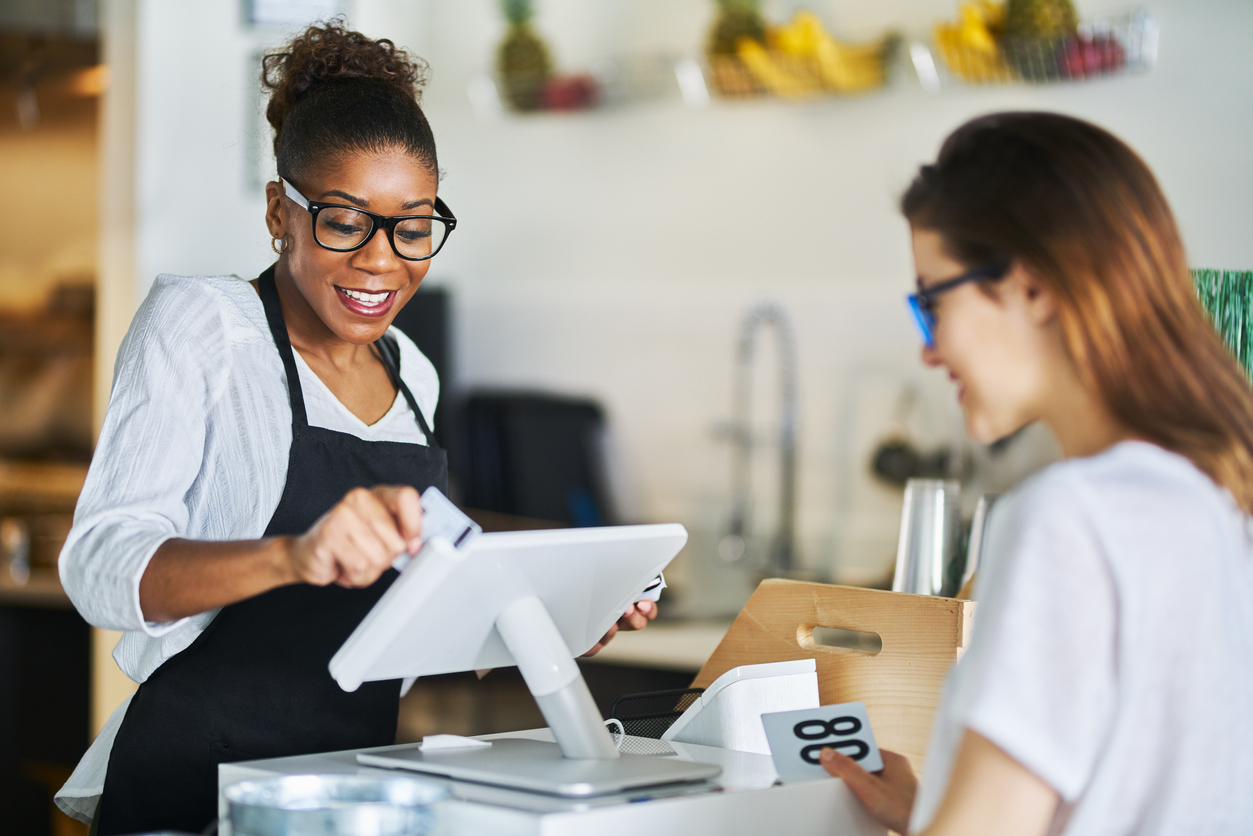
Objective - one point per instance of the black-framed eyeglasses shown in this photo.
(922, 303)
(346, 228)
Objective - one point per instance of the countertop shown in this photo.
(31, 489)
(665, 645)
(746, 798)
(40, 485)
(42, 590)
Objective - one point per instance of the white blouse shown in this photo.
(1112, 649)
(194, 445)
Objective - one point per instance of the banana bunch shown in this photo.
(804, 60)
(968, 46)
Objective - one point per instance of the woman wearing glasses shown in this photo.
(1106, 689)
(242, 512)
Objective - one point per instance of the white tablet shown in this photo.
(440, 614)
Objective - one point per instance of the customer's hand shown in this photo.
(636, 617)
(888, 795)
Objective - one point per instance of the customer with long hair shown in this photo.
(1108, 686)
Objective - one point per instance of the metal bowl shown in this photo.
(332, 805)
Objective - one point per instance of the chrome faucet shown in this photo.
(782, 555)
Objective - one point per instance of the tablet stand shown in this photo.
(583, 762)
(554, 680)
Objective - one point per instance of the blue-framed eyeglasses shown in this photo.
(345, 228)
(922, 303)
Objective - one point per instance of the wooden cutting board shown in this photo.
(922, 637)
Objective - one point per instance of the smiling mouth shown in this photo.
(369, 300)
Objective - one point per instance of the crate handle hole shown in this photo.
(862, 642)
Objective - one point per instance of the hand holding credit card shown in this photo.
(440, 518)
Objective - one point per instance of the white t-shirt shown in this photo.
(1112, 653)
(194, 445)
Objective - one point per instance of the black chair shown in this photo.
(532, 454)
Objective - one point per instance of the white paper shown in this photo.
(441, 742)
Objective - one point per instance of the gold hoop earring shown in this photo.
(277, 249)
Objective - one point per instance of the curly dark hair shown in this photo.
(335, 91)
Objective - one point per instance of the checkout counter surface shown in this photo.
(665, 645)
(746, 798)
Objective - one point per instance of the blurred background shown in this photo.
(675, 293)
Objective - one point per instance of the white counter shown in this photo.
(745, 799)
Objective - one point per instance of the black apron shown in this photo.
(255, 683)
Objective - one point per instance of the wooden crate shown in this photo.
(922, 637)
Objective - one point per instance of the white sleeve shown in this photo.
(1040, 677)
(171, 368)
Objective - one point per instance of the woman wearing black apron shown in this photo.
(231, 696)
(355, 219)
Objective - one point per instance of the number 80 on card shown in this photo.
(797, 738)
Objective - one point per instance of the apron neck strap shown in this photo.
(389, 353)
(278, 329)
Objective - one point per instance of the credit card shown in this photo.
(440, 518)
(652, 592)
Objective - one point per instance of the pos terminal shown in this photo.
(534, 599)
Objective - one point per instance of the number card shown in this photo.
(797, 737)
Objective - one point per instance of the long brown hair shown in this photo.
(1084, 214)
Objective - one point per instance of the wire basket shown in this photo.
(650, 713)
(610, 82)
(730, 78)
(789, 76)
(1107, 47)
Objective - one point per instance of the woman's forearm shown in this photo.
(188, 577)
(991, 793)
(988, 792)
(351, 545)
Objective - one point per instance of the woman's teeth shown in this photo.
(366, 298)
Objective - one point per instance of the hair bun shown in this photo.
(329, 53)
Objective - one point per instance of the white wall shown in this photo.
(613, 252)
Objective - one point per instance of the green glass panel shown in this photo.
(1227, 296)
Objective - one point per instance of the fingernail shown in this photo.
(826, 755)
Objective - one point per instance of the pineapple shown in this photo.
(1040, 18)
(736, 20)
(1034, 31)
(522, 61)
